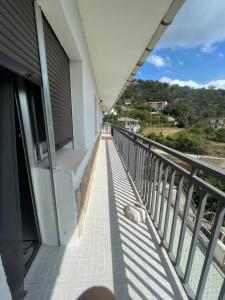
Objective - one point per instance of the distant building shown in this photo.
(216, 123)
(113, 111)
(130, 124)
(159, 105)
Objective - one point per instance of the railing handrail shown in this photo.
(199, 165)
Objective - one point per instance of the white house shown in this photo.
(159, 105)
(216, 123)
(130, 124)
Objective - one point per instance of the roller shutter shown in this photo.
(60, 89)
(18, 38)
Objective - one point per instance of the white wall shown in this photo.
(76, 76)
(71, 163)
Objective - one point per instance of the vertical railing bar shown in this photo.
(195, 236)
(175, 213)
(140, 176)
(222, 292)
(153, 161)
(162, 198)
(129, 151)
(210, 249)
(139, 168)
(185, 218)
(152, 206)
(135, 160)
(143, 173)
(169, 201)
(158, 191)
(131, 159)
(136, 168)
(147, 176)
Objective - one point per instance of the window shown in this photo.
(35, 103)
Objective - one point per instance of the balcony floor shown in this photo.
(113, 252)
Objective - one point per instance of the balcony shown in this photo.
(138, 261)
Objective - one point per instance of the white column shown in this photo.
(76, 78)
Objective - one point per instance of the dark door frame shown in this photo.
(21, 90)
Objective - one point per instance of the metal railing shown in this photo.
(161, 184)
(106, 131)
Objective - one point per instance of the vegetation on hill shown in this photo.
(187, 105)
(189, 132)
(196, 140)
(190, 109)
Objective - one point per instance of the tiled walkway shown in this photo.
(113, 252)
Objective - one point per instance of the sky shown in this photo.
(192, 50)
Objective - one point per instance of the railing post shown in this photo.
(195, 235)
(210, 250)
(158, 192)
(175, 213)
(162, 200)
(169, 200)
(185, 218)
(135, 159)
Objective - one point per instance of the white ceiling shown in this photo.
(117, 32)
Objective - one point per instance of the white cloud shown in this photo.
(208, 48)
(198, 23)
(221, 55)
(218, 84)
(157, 61)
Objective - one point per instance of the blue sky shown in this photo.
(191, 52)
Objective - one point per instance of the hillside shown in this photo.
(185, 104)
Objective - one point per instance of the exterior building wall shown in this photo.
(132, 126)
(216, 123)
(72, 161)
(159, 105)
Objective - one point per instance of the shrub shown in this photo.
(220, 135)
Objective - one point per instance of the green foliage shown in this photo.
(185, 141)
(110, 118)
(187, 105)
(157, 138)
(189, 142)
(220, 135)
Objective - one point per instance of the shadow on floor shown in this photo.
(139, 268)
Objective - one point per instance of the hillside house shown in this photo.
(130, 124)
(216, 123)
(159, 105)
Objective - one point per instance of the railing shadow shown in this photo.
(139, 269)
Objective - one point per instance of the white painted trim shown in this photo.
(76, 78)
